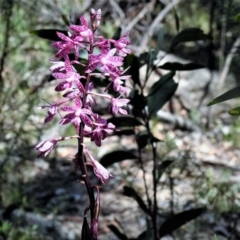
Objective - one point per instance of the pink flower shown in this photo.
(101, 129)
(117, 83)
(67, 74)
(83, 30)
(67, 45)
(116, 105)
(106, 60)
(76, 115)
(121, 45)
(45, 147)
(100, 171)
(95, 18)
(52, 110)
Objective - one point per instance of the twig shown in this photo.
(118, 9)
(8, 12)
(227, 64)
(155, 23)
(140, 15)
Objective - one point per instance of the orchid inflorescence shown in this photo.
(79, 95)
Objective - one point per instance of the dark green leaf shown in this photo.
(161, 92)
(175, 66)
(117, 34)
(115, 230)
(134, 70)
(159, 41)
(162, 167)
(188, 35)
(179, 220)
(65, 20)
(86, 235)
(143, 139)
(144, 58)
(116, 156)
(126, 132)
(238, 18)
(233, 93)
(142, 236)
(130, 192)
(49, 34)
(138, 101)
(235, 111)
(125, 121)
(176, 19)
(132, 62)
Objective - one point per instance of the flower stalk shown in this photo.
(79, 98)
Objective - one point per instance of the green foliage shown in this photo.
(188, 35)
(237, 18)
(12, 232)
(161, 92)
(220, 195)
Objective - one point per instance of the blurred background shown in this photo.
(41, 198)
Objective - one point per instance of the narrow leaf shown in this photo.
(235, 111)
(177, 22)
(161, 92)
(237, 18)
(49, 34)
(144, 57)
(126, 132)
(130, 192)
(179, 220)
(117, 33)
(116, 156)
(85, 230)
(175, 66)
(161, 34)
(134, 70)
(142, 236)
(143, 138)
(65, 19)
(138, 101)
(162, 168)
(188, 35)
(125, 121)
(233, 93)
(115, 230)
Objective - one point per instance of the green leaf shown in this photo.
(133, 61)
(237, 18)
(117, 33)
(85, 230)
(162, 168)
(126, 132)
(130, 192)
(188, 35)
(161, 92)
(143, 139)
(179, 220)
(177, 22)
(138, 101)
(49, 34)
(117, 232)
(125, 121)
(235, 111)
(116, 156)
(65, 19)
(175, 66)
(161, 34)
(233, 93)
(144, 58)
